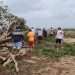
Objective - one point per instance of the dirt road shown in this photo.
(65, 66)
(44, 66)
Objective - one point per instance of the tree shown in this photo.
(7, 23)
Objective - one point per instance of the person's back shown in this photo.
(60, 34)
(40, 36)
(31, 38)
(44, 33)
(51, 31)
(17, 38)
(59, 37)
(40, 33)
(33, 29)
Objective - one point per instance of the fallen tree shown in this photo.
(9, 57)
(8, 23)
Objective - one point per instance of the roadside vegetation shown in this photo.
(48, 49)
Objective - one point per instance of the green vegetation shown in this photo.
(67, 50)
(69, 29)
(52, 52)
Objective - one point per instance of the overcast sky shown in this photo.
(45, 13)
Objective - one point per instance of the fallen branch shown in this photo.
(9, 57)
(3, 58)
(7, 62)
(15, 62)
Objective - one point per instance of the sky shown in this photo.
(44, 13)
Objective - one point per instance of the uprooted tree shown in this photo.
(7, 24)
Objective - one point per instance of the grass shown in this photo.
(68, 50)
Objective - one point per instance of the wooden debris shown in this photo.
(7, 62)
(3, 58)
(9, 57)
(15, 62)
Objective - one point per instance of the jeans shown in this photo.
(17, 45)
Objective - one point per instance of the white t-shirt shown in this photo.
(60, 34)
(39, 32)
(33, 30)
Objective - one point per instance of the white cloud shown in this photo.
(48, 12)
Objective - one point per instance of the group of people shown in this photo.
(36, 36)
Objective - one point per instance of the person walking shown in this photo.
(31, 39)
(39, 36)
(44, 33)
(17, 37)
(59, 38)
(31, 42)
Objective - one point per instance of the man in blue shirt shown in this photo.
(17, 38)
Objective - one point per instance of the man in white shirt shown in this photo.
(33, 29)
(40, 35)
(59, 37)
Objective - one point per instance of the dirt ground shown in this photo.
(69, 40)
(43, 66)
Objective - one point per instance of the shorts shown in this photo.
(51, 34)
(59, 41)
(17, 45)
(31, 44)
(40, 37)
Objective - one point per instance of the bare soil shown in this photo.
(43, 66)
(69, 40)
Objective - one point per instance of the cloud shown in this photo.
(39, 12)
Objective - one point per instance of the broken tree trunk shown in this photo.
(8, 23)
(9, 57)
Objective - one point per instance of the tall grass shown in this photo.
(67, 50)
